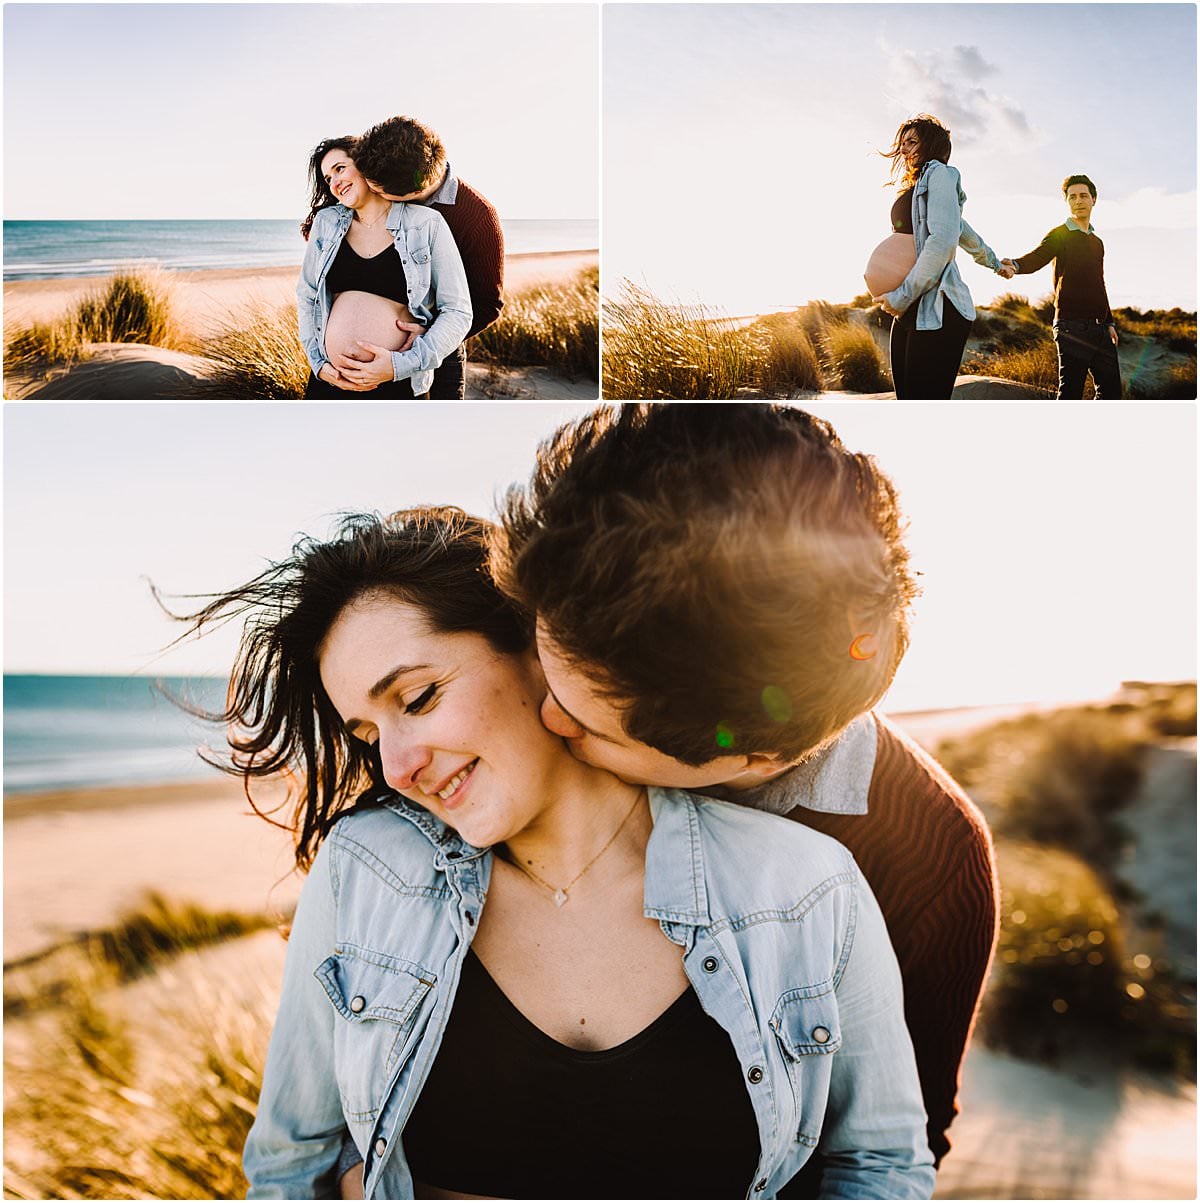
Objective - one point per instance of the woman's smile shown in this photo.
(451, 794)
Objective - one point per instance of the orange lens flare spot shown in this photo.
(864, 647)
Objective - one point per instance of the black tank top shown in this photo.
(510, 1112)
(902, 213)
(382, 274)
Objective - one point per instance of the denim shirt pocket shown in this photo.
(376, 999)
(806, 1025)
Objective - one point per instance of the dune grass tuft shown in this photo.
(552, 325)
(258, 357)
(156, 931)
(852, 355)
(788, 359)
(1035, 364)
(131, 307)
(654, 351)
(92, 1112)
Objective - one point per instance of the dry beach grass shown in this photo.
(137, 1076)
(232, 335)
(655, 350)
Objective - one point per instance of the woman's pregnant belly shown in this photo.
(364, 317)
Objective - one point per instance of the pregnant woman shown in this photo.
(382, 297)
(931, 306)
(512, 974)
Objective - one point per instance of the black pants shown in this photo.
(450, 379)
(390, 390)
(1083, 346)
(925, 362)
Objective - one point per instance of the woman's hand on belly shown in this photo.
(363, 317)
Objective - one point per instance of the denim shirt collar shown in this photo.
(447, 192)
(675, 889)
(449, 848)
(1072, 224)
(835, 780)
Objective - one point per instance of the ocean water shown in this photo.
(48, 250)
(65, 732)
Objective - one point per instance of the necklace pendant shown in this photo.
(560, 897)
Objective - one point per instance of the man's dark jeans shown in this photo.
(1083, 345)
(450, 379)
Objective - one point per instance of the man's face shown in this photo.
(1080, 202)
(592, 725)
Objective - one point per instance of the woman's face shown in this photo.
(344, 179)
(910, 147)
(455, 721)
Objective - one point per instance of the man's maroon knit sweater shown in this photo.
(927, 853)
(480, 240)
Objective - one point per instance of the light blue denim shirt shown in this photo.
(433, 269)
(938, 230)
(780, 937)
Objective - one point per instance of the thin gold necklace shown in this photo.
(561, 894)
(370, 225)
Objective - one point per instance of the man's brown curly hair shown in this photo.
(708, 567)
(401, 155)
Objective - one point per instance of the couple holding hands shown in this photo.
(404, 262)
(913, 277)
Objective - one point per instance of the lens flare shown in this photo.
(864, 647)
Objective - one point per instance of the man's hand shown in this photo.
(886, 305)
(374, 369)
(412, 330)
(1112, 333)
(1007, 269)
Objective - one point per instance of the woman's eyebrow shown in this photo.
(389, 678)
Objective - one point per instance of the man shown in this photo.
(404, 160)
(1085, 335)
(722, 595)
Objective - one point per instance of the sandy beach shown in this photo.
(206, 298)
(207, 302)
(75, 859)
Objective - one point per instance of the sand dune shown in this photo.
(203, 303)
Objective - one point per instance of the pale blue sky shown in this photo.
(751, 130)
(1056, 542)
(205, 111)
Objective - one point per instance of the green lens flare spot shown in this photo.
(775, 702)
(724, 736)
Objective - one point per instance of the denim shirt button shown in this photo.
(470, 918)
(761, 1184)
(380, 1147)
(710, 964)
(821, 1035)
(755, 1075)
(357, 1003)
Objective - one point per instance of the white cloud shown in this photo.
(947, 85)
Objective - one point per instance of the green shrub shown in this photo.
(1059, 778)
(1015, 305)
(1063, 981)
